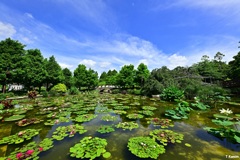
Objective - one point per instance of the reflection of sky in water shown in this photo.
(204, 145)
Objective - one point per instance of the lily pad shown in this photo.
(107, 155)
(119, 112)
(149, 108)
(85, 118)
(89, 148)
(145, 147)
(105, 129)
(135, 116)
(146, 112)
(127, 125)
(166, 136)
(109, 118)
(25, 122)
(19, 137)
(14, 118)
(164, 123)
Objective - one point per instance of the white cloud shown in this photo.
(64, 65)
(104, 64)
(6, 30)
(88, 62)
(177, 60)
(29, 15)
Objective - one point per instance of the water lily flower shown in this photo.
(57, 121)
(30, 152)
(40, 149)
(19, 155)
(226, 111)
(20, 133)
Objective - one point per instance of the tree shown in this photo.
(68, 78)
(80, 76)
(92, 79)
(11, 56)
(235, 67)
(111, 77)
(142, 74)
(34, 70)
(126, 76)
(54, 72)
(102, 78)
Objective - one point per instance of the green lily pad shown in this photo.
(145, 147)
(149, 108)
(85, 117)
(188, 145)
(109, 118)
(14, 118)
(135, 116)
(105, 129)
(127, 125)
(107, 155)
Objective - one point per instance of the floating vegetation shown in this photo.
(109, 118)
(121, 107)
(145, 147)
(58, 114)
(90, 148)
(85, 118)
(127, 125)
(146, 112)
(20, 136)
(135, 104)
(164, 123)
(63, 131)
(150, 108)
(102, 110)
(105, 129)
(14, 118)
(119, 112)
(31, 150)
(26, 122)
(180, 112)
(135, 116)
(166, 136)
(80, 112)
(56, 121)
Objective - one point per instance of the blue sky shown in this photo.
(107, 34)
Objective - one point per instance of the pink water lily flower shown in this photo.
(40, 149)
(19, 155)
(30, 152)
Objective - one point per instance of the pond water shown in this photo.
(203, 145)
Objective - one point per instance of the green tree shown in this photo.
(111, 78)
(11, 56)
(102, 78)
(54, 72)
(80, 76)
(142, 74)
(91, 79)
(68, 78)
(126, 76)
(235, 67)
(34, 70)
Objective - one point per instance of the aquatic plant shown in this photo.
(90, 148)
(31, 150)
(14, 118)
(146, 112)
(52, 122)
(109, 118)
(85, 117)
(127, 125)
(166, 136)
(135, 116)
(180, 112)
(119, 112)
(164, 123)
(145, 147)
(105, 129)
(20, 136)
(198, 104)
(226, 111)
(150, 108)
(25, 122)
(63, 131)
(121, 107)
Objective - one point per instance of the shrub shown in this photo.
(45, 93)
(59, 88)
(73, 90)
(6, 95)
(172, 94)
(32, 94)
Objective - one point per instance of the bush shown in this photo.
(6, 95)
(59, 88)
(172, 94)
(73, 91)
(44, 93)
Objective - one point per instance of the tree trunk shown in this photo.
(3, 88)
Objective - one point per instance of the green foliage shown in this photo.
(56, 121)
(68, 78)
(73, 90)
(89, 148)
(84, 118)
(145, 147)
(152, 87)
(126, 76)
(150, 108)
(135, 116)
(119, 112)
(14, 118)
(127, 125)
(109, 118)
(166, 136)
(3, 96)
(105, 129)
(59, 88)
(235, 67)
(199, 104)
(63, 131)
(172, 94)
(19, 137)
(180, 112)
(44, 93)
(163, 123)
(26, 122)
(142, 74)
(146, 112)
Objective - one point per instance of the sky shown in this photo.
(108, 34)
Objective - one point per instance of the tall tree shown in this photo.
(34, 70)
(126, 76)
(91, 79)
(11, 56)
(235, 67)
(68, 78)
(80, 76)
(54, 73)
(102, 78)
(111, 77)
(142, 74)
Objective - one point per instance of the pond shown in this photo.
(116, 118)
